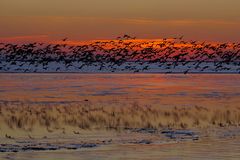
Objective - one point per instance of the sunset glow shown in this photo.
(119, 79)
(215, 20)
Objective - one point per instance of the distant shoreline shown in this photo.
(230, 73)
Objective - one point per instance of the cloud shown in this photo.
(179, 22)
(27, 38)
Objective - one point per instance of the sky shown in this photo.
(205, 20)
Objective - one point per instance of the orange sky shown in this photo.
(215, 20)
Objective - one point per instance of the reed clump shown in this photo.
(115, 117)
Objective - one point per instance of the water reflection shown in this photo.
(158, 88)
(216, 150)
(152, 89)
(144, 88)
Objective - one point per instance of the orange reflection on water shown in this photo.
(151, 89)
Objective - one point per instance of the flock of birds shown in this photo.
(125, 54)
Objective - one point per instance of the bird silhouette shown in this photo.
(64, 39)
(123, 54)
